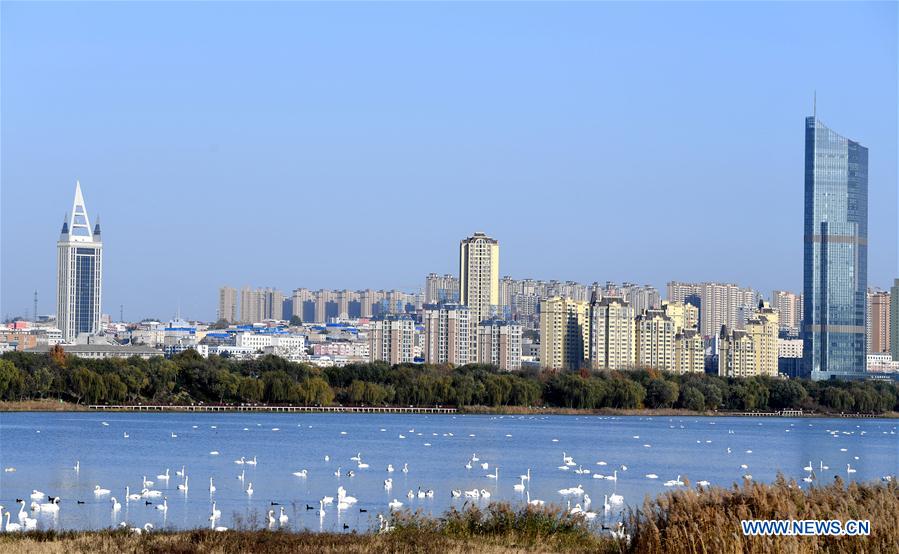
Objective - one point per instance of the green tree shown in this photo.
(786, 394)
(661, 393)
(692, 398)
(12, 381)
(115, 389)
(837, 399)
(295, 321)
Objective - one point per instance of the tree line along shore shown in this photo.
(686, 520)
(188, 378)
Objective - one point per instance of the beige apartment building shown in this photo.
(564, 333)
(753, 350)
(392, 339)
(655, 332)
(479, 278)
(612, 334)
(447, 337)
(499, 344)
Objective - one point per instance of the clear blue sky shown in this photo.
(353, 145)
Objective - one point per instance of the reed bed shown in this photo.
(679, 521)
(697, 521)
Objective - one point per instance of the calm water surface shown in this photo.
(44, 447)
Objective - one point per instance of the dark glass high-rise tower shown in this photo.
(835, 254)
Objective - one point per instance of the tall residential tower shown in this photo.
(79, 277)
(479, 279)
(835, 254)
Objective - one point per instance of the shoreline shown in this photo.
(674, 521)
(57, 406)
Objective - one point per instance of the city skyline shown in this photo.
(231, 199)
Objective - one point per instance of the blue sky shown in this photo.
(353, 145)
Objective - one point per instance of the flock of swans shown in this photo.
(152, 494)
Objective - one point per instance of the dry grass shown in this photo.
(683, 521)
(45, 405)
(709, 521)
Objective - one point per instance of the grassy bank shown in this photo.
(46, 405)
(686, 520)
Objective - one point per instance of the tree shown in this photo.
(220, 324)
(12, 381)
(691, 398)
(786, 394)
(295, 321)
(661, 394)
(837, 399)
(625, 394)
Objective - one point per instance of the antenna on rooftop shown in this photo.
(35, 306)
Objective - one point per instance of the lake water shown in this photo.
(44, 447)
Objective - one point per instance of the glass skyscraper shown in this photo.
(835, 254)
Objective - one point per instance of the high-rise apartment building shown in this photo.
(877, 323)
(689, 353)
(753, 350)
(684, 316)
(499, 342)
(228, 304)
(447, 334)
(479, 278)
(564, 333)
(894, 320)
(441, 289)
(719, 303)
(79, 277)
(391, 339)
(612, 334)
(655, 332)
(835, 269)
(789, 311)
(261, 304)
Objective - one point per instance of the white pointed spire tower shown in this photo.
(79, 273)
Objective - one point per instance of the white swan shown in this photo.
(405, 468)
(77, 466)
(301, 473)
(494, 475)
(605, 503)
(615, 498)
(242, 475)
(809, 466)
(116, 505)
(241, 461)
(456, 493)
(215, 513)
(527, 476)
(252, 462)
(147, 493)
(850, 469)
(50, 506)
(100, 492)
(211, 485)
(146, 529)
(271, 517)
(613, 477)
(164, 476)
(389, 468)
(164, 507)
(183, 486)
(282, 519)
(651, 476)
(129, 496)
(147, 484)
(388, 484)
(179, 473)
(674, 482)
(395, 504)
(250, 489)
(37, 495)
(12, 527)
(519, 486)
(485, 493)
